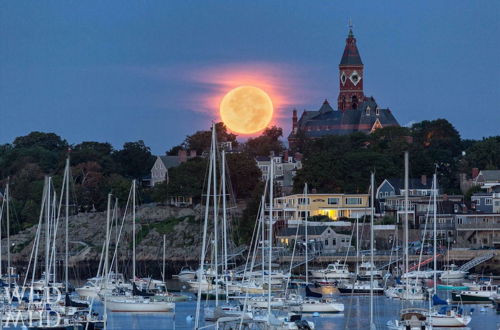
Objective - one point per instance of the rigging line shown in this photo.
(115, 254)
(257, 231)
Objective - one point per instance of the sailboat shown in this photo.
(447, 316)
(135, 303)
(410, 318)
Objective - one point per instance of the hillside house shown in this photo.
(159, 171)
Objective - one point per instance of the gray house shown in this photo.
(488, 179)
(321, 238)
(159, 171)
(482, 202)
(395, 187)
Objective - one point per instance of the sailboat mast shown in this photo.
(47, 234)
(106, 240)
(307, 238)
(434, 183)
(224, 217)
(1, 217)
(204, 241)
(263, 237)
(357, 243)
(216, 232)
(7, 193)
(406, 218)
(270, 238)
(66, 224)
(115, 215)
(163, 264)
(133, 230)
(372, 266)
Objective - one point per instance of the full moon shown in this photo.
(246, 109)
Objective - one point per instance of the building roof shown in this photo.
(490, 175)
(351, 53)
(311, 230)
(170, 161)
(399, 184)
(327, 121)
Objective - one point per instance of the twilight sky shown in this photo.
(120, 71)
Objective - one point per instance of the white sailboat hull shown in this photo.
(319, 307)
(438, 320)
(139, 306)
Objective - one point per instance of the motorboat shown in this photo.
(263, 302)
(313, 305)
(186, 274)
(213, 313)
(452, 272)
(335, 271)
(366, 270)
(483, 294)
(361, 288)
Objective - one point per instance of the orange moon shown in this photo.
(246, 109)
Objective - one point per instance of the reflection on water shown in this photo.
(355, 316)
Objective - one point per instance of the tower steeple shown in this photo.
(350, 75)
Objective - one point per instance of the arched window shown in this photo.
(354, 102)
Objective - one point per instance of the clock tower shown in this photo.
(350, 76)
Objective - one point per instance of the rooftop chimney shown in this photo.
(294, 121)
(423, 179)
(182, 156)
(285, 156)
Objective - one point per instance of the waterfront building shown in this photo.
(331, 207)
(419, 208)
(320, 238)
(285, 168)
(355, 112)
(476, 230)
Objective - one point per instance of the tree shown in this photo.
(244, 174)
(245, 224)
(174, 151)
(201, 140)
(187, 179)
(49, 141)
(89, 185)
(95, 152)
(135, 159)
(436, 142)
(265, 143)
(484, 154)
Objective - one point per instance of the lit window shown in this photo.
(333, 200)
(353, 200)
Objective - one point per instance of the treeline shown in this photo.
(330, 164)
(344, 163)
(98, 169)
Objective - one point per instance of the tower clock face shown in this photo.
(343, 78)
(355, 78)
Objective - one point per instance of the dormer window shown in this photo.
(377, 111)
(368, 111)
